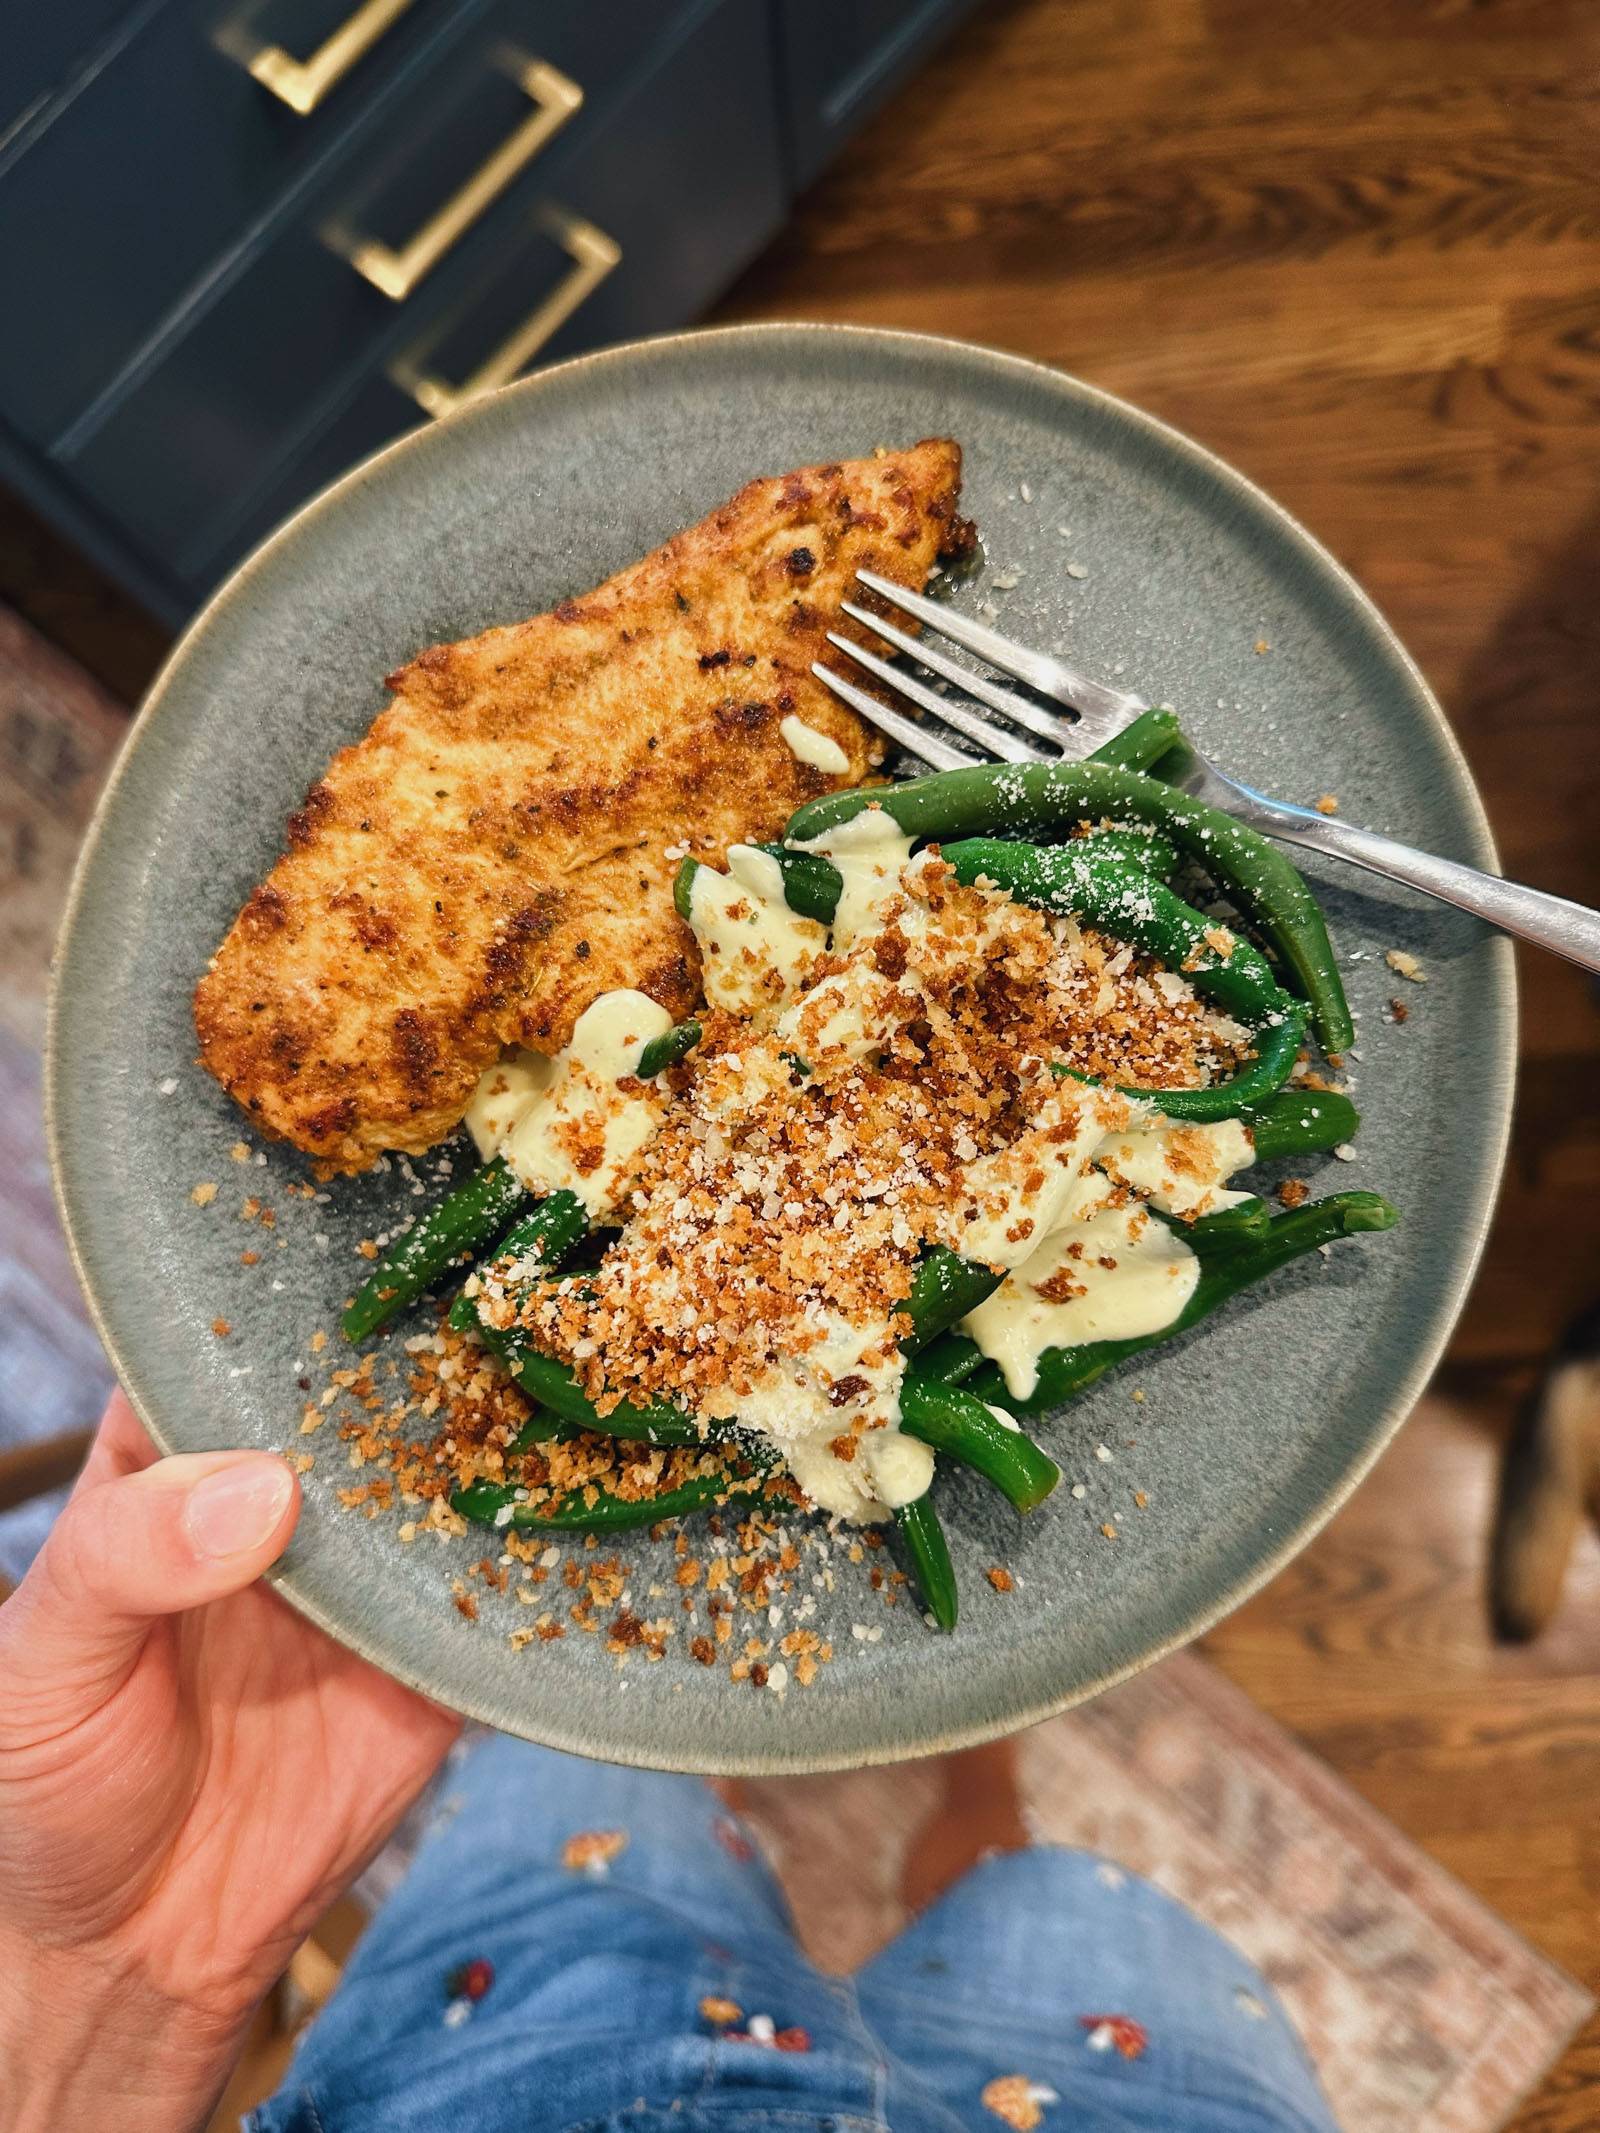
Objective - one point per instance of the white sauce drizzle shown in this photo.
(820, 750)
(1152, 1277)
(1178, 1167)
(754, 950)
(869, 850)
(536, 1111)
(1181, 1167)
(789, 1404)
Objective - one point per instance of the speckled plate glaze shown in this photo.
(1250, 1432)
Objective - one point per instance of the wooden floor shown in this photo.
(1352, 246)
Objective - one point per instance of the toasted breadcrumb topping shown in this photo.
(775, 1202)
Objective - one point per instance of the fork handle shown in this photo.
(1566, 929)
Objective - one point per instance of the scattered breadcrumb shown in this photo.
(1000, 1578)
(1328, 804)
(221, 1328)
(1109, 1530)
(591, 1851)
(1398, 1011)
(1294, 1192)
(1262, 646)
(1405, 965)
(204, 1193)
(1017, 2100)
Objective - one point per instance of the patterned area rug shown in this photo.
(1424, 2013)
(58, 735)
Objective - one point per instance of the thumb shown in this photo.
(186, 1530)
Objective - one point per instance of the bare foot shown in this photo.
(979, 1813)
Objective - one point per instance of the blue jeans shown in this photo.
(582, 1946)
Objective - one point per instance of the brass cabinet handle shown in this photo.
(593, 256)
(397, 273)
(303, 83)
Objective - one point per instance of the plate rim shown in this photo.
(1501, 1060)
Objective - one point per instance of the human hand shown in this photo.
(190, 1773)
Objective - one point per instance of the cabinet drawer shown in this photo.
(169, 166)
(294, 373)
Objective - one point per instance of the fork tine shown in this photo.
(909, 732)
(1010, 747)
(1102, 709)
(1050, 724)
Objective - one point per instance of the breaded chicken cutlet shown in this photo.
(490, 857)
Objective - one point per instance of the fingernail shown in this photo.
(239, 1507)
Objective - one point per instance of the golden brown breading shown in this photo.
(490, 856)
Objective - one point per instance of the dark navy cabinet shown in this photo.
(244, 242)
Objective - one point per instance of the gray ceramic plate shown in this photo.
(1249, 1433)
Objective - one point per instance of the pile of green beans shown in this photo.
(1126, 834)
(950, 1394)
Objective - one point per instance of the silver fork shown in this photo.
(1565, 928)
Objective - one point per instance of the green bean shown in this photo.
(553, 1385)
(549, 1232)
(929, 1553)
(811, 884)
(1041, 798)
(1140, 746)
(1147, 850)
(968, 1431)
(682, 888)
(965, 1431)
(668, 1049)
(482, 1501)
(463, 1223)
(1300, 1122)
(944, 1288)
(1228, 1225)
(1226, 1267)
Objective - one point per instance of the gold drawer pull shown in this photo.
(303, 83)
(593, 255)
(397, 273)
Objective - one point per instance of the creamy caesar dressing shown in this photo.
(1104, 1269)
(755, 952)
(505, 1092)
(563, 1124)
(790, 1404)
(1112, 1275)
(1181, 1167)
(1026, 1190)
(820, 750)
(869, 851)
